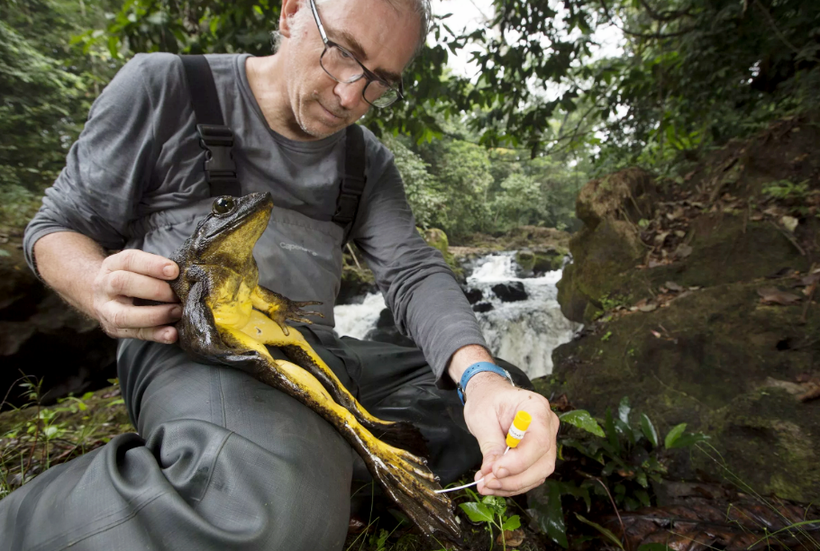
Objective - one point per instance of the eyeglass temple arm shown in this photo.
(318, 21)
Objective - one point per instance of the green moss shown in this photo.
(709, 366)
(526, 259)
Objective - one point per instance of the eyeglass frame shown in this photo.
(366, 73)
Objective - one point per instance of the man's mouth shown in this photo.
(331, 113)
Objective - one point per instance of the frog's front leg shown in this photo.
(280, 308)
(263, 329)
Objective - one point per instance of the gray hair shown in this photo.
(419, 7)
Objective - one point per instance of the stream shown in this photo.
(519, 316)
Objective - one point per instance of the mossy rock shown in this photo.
(726, 248)
(629, 195)
(437, 239)
(600, 256)
(540, 261)
(356, 281)
(706, 359)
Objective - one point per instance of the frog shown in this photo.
(228, 318)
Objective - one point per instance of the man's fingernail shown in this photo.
(493, 484)
(176, 312)
(169, 270)
(502, 472)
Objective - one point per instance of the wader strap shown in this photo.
(214, 136)
(353, 180)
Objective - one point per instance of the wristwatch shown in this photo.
(477, 368)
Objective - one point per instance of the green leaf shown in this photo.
(4, 252)
(495, 504)
(477, 512)
(550, 517)
(611, 432)
(583, 420)
(648, 430)
(674, 434)
(606, 533)
(687, 440)
(50, 431)
(643, 496)
(512, 523)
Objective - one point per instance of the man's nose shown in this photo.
(350, 94)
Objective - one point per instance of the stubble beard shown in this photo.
(316, 129)
(302, 102)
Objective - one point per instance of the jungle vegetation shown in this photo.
(508, 148)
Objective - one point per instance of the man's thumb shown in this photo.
(491, 450)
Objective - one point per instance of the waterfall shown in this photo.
(519, 317)
(357, 320)
(526, 331)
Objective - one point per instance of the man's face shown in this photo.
(372, 30)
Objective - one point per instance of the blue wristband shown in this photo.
(477, 368)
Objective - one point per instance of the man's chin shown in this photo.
(319, 131)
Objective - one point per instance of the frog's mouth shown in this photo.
(251, 212)
(247, 223)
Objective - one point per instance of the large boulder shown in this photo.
(609, 244)
(726, 364)
(700, 299)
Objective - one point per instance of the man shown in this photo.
(224, 461)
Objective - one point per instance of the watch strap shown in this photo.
(474, 370)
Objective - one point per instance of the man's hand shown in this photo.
(104, 287)
(134, 274)
(489, 411)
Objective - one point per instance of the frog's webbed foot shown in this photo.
(295, 311)
(281, 309)
(413, 486)
(399, 434)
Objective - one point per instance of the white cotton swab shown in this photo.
(517, 430)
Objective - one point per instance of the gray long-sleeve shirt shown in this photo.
(134, 179)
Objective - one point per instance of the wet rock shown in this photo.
(482, 307)
(510, 292)
(536, 262)
(473, 295)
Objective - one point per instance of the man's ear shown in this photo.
(289, 9)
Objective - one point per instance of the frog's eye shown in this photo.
(223, 205)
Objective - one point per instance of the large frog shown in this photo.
(229, 318)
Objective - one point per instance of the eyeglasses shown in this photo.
(342, 66)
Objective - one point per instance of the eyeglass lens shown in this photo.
(342, 67)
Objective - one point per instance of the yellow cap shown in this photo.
(519, 426)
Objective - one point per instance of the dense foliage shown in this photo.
(48, 76)
(549, 107)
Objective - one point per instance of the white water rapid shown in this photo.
(523, 332)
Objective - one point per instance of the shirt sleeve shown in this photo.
(106, 169)
(419, 287)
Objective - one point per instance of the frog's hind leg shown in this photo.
(400, 434)
(404, 476)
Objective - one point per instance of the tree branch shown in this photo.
(649, 36)
(666, 16)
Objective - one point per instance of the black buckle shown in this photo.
(345, 207)
(217, 141)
